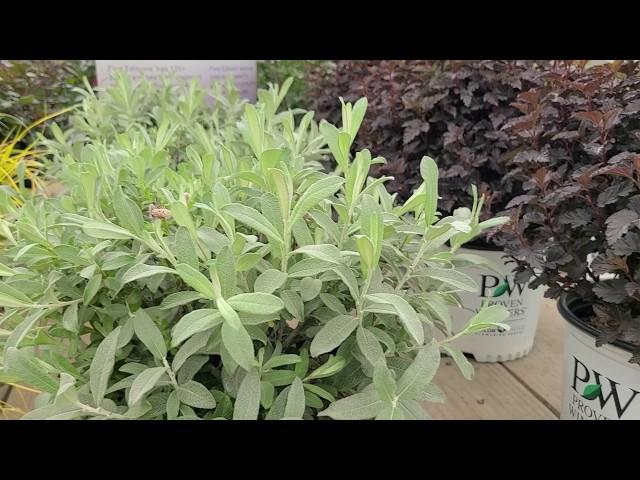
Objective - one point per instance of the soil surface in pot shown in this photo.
(581, 314)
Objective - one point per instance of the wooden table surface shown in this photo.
(526, 389)
(529, 388)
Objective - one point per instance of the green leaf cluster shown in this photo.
(201, 265)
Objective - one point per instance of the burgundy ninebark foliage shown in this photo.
(577, 223)
(452, 111)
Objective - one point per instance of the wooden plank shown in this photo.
(492, 394)
(19, 399)
(541, 370)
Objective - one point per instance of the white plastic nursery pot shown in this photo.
(522, 302)
(599, 382)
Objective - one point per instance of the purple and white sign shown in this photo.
(244, 72)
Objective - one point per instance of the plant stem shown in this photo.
(343, 232)
(101, 411)
(363, 293)
(172, 376)
(413, 265)
(166, 251)
(291, 337)
(451, 339)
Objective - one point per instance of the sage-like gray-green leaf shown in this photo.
(408, 316)
(257, 303)
(196, 280)
(6, 271)
(102, 365)
(29, 370)
(126, 333)
(455, 278)
(431, 393)
(332, 366)
(185, 249)
(230, 316)
(295, 400)
(190, 347)
(55, 412)
(361, 406)
(293, 303)
(281, 360)
(349, 279)
(332, 303)
(140, 271)
(465, 366)
(254, 219)
(239, 345)
(149, 334)
(144, 383)
(23, 328)
(226, 270)
(180, 298)
(128, 213)
(421, 371)
(182, 216)
(103, 230)
(391, 412)
(70, 318)
(489, 315)
(92, 287)
(384, 383)
(412, 410)
(194, 322)
(369, 345)
(276, 411)
(320, 392)
(247, 261)
(13, 298)
(310, 288)
(247, 404)
(314, 194)
(173, 406)
(325, 252)
(429, 173)
(267, 394)
(269, 281)
(332, 334)
(196, 395)
(309, 267)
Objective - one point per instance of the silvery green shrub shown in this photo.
(210, 270)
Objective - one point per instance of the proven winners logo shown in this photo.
(504, 291)
(500, 287)
(593, 392)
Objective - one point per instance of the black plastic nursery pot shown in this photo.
(599, 382)
(497, 288)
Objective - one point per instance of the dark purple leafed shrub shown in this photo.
(577, 223)
(30, 89)
(452, 111)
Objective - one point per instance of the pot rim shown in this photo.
(484, 246)
(569, 301)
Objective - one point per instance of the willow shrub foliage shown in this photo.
(202, 266)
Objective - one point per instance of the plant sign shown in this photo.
(496, 285)
(207, 71)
